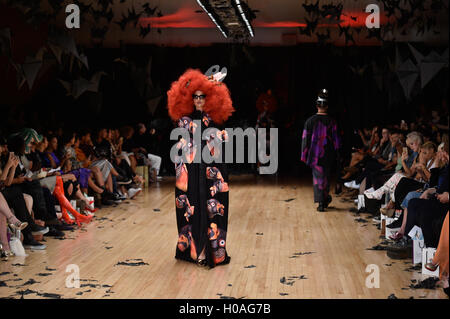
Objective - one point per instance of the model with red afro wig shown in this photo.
(218, 104)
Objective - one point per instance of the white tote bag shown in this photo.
(16, 245)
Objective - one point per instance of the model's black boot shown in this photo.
(321, 207)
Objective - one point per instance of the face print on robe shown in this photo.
(213, 173)
(218, 187)
(189, 148)
(187, 123)
(186, 241)
(183, 202)
(214, 140)
(206, 120)
(181, 176)
(215, 208)
(219, 184)
(217, 238)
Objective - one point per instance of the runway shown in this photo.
(280, 247)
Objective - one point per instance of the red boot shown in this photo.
(65, 205)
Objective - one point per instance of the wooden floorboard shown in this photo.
(264, 230)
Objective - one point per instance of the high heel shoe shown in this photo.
(18, 225)
(66, 217)
(90, 209)
(397, 236)
(65, 205)
(431, 267)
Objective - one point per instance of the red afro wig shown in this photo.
(218, 102)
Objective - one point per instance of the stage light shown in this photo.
(212, 18)
(238, 4)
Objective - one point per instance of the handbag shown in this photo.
(16, 245)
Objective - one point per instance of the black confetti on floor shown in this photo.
(30, 281)
(226, 297)
(283, 294)
(50, 295)
(44, 274)
(3, 284)
(108, 247)
(289, 200)
(89, 290)
(156, 210)
(377, 247)
(26, 292)
(79, 293)
(90, 285)
(392, 296)
(45, 294)
(251, 266)
(19, 265)
(296, 255)
(50, 269)
(291, 280)
(260, 234)
(4, 273)
(429, 283)
(361, 220)
(230, 285)
(133, 264)
(413, 268)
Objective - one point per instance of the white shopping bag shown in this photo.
(427, 257)
(418, 244)
(361, 202)
(390, 231)
(16, 245)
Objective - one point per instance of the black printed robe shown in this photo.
(201, 197)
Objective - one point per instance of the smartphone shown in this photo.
(405, 150)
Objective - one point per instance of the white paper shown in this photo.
(416, 233)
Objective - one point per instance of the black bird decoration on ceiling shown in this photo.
(312, 9)
(151, 11)
(310, 27)
(105, 3)
(334, 11)
(99, 33)
(122, 22)
(347, 34)
(323, 37)
(133, 16)
(390, 6)
(83, 7)
(144, 31)
(374, 33)
(56, 5)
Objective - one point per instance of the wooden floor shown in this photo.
(320, 255)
